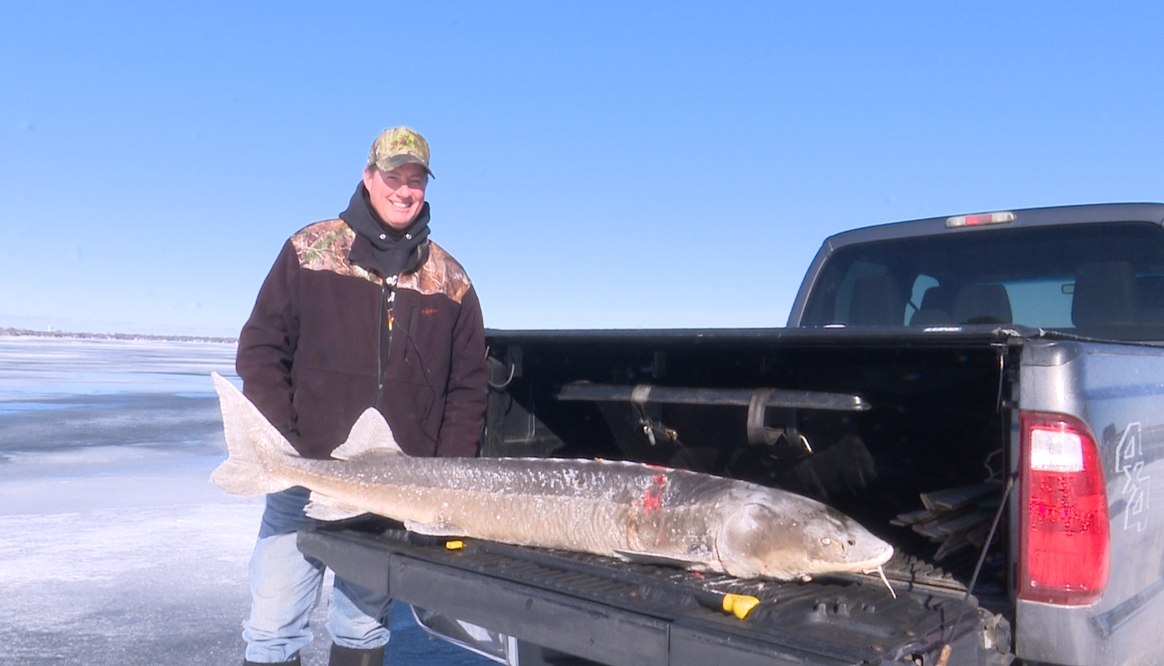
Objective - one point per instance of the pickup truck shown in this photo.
(985, 392)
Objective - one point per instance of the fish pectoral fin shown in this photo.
(325, 507)
(668, 559)
(432, 529)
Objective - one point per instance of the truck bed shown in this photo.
(613, 612)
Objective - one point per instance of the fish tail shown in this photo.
(255, 446)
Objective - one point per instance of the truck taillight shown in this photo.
(1065, 549)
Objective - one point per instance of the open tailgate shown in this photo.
(624, 614)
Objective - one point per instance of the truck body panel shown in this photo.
(1118, 391)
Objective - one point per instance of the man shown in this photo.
(357, 312)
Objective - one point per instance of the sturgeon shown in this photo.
(619, 509)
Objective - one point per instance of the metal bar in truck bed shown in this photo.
(579, 391)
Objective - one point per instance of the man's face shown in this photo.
(397, 195)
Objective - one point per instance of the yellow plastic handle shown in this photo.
(739, 604)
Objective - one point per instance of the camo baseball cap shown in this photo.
(398, 146)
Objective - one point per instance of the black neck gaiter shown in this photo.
(395, 252)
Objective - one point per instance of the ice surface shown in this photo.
(114, 546)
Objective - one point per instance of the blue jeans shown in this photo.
(285, 587)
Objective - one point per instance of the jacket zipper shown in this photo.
(381, 358)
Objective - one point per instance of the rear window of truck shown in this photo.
(1100, 280)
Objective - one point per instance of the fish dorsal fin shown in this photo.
(370, 436)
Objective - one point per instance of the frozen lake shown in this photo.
(114, 547)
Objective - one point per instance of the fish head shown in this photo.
(793, 541)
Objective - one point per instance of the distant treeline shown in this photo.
(113, 336)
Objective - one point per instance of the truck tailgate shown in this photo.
(619, 613)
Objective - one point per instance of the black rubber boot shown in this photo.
(292, 662)
(342, 656)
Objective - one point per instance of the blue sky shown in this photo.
(599, 164)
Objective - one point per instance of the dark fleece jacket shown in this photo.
(330, 337)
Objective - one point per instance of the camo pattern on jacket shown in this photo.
(440, 274)
(325, 246)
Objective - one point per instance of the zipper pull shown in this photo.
(390, 300)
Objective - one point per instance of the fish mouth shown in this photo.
(866, 559)
(872, 565)
(868, 565)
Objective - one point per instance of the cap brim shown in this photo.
(397, 161)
